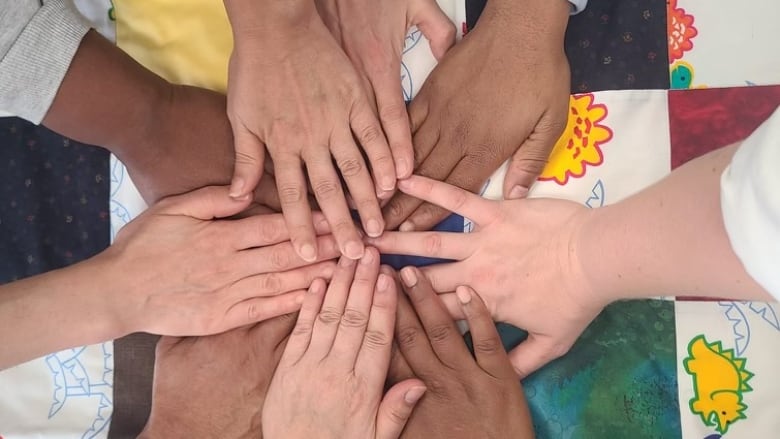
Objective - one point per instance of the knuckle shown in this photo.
(280, 257)
(272, 283)
(432, 244)
(302, 328)
(369, 134)
(408, 337)
(488, 345)
(441, 333)
(329, 316)
(350, 167)
(398, 416)
(245, 158)
(290, 194)
(376, 340)
(252, 313)
(435, 386)
(270, 231)
(325, 189)
(392, 112)
(354, 319)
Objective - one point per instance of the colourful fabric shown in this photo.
(637, 369)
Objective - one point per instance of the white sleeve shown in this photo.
(750, 201)
(578, 5)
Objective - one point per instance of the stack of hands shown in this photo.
(352, 339)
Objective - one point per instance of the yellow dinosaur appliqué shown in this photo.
(719, 379)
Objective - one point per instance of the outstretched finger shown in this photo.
(443, 245)
(206, 203)
(392, 113)
(452, 198)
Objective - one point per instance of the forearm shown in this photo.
(54, 311)
(260, 18)
(107, 99)
(667, 240)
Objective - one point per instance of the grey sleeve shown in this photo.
(37, 43)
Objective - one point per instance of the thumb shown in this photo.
(532, 354)
(206, 203)
(396, 408)
(435, 26)
(250, 153)
(530, 159)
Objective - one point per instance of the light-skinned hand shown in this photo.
(330, 380)
(188, 274)
(519, 256)
(292, 90)
(502, 92)
(372, 35)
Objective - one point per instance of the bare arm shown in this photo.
(668, 239)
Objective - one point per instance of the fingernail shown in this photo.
(409, 276)
(373, 228)
(368, 258)
(401, 168)
(353, 250)
(406, 226)
(463, 294)
(308, 253)
(387, 183)
(237, 187)
(414, 394)
(383, 283)
(518, 192)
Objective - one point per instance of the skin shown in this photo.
(569, 262)
(174, 270)
(330, 380)
(222, 380)
(372, 35)
(158, 127)
(311, 110)
(467, 396)
(500, 93)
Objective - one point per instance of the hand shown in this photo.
(503, 90)
(521, 259)
(221, 380)
(372, 35)
(329, 383)
(190, 275)
(296, 93)
(187, 146)
(468, 397)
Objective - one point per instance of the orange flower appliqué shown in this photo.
(680, 29)
(580, 143)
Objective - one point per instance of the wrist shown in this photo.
(597, 256)
(252, 19)
(532, 21)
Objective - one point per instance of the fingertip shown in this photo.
(409, 276)
(464, 295)
(237, 187)
(413, 395)
(308, 252)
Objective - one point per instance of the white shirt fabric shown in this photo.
(578, 5)
(750, 201)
